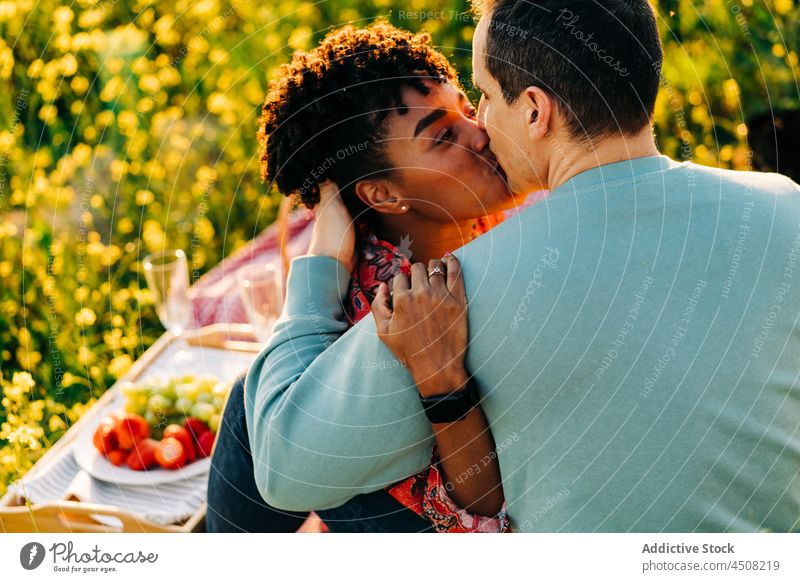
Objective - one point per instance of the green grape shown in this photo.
(206, 383)
(184, 406)
(160, 404)
(151, 417)
(213, 423)
(187, 391)
(205, 397)
(204, 411)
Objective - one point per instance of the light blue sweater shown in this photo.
(636, 341)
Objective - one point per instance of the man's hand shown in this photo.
(334, 233)
(425, 324)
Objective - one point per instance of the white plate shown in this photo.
(90, 460)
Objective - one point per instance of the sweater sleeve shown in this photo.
(327, 421)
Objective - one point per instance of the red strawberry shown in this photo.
(180, 433)
(132, 428)
(170, 454)
(105, 436)
(117, 457)
(143, 455)
(195, 427)
(205, 444)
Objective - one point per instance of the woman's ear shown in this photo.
(538, 108)
(381, 196)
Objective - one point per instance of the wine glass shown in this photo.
(167, 275)
(261, 288)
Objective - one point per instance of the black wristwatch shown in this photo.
(451, 407)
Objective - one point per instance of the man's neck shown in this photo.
(578, 158)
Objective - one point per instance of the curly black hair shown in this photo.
(324, 115)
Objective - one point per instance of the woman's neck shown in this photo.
(424, 238)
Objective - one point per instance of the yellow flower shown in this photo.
(144, 197)
(85, 356)
(783, 6)
(153, 235)
(80, 85)
(105, 118)
(82, 40)
(149, 83)
(112, 339)
(24, 336)
(85, 317)
(7, 11)
(91, 19)
(23, 380)
(300, 38)
(6, 63)
(218, 103)
(28, 359)
(120, 365)
(69, 65)
(27, 436)
(62, 16)
(206, 174)
(48, 114)
(118, 169)
(125, 225)
(76, 411)
(730, 90)
(204, 230)
(56, 423)
(127, 122)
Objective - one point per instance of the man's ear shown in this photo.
(381, 196)
(539, 108)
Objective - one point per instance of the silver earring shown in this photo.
(404, 208)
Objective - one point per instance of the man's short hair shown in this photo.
(600, 59)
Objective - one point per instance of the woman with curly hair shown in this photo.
(372, 130)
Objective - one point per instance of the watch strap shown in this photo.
(452, 407)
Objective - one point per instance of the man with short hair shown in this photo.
(634, 337)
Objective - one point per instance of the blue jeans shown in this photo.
(235, 504)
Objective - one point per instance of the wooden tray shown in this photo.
(74, 516)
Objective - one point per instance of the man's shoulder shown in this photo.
(767, 182)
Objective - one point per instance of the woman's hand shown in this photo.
(334, 233)
(425, 324)
(426, 328)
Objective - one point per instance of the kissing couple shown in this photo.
(454, 358)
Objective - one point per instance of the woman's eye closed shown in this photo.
(445, 136)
